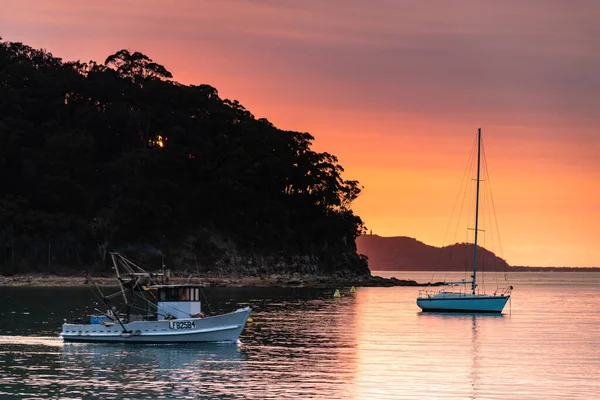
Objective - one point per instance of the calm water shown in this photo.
(306, 344)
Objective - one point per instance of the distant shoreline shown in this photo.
(509, 270)
(33, 280)
(553, 269)
(37, 280)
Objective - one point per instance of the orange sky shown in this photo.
(396, 89)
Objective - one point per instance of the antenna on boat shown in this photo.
(166, 272)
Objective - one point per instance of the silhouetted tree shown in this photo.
(97, 156)
(136, 66)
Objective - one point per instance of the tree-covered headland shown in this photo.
(119, 157)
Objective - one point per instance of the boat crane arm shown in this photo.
(105, 301)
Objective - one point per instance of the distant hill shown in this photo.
(401, 253)
(522, 268)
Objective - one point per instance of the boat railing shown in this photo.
(503, 291)
(432, 292)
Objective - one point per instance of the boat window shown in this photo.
(179, 294)
(183, 295)
(168, 294)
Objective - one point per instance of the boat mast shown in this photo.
(474, 282)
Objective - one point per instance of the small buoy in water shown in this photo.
(352, 290)
(337, 293)
(249, 320)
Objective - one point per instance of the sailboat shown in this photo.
(473, 300)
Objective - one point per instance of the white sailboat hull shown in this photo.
(219, 328)
(461, 302)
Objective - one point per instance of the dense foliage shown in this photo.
(95, 157)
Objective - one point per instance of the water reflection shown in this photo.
(156, 356)
(476, 321)
(301, 345)
(117, 371)
(475, 372)
(305, 344)
(180, 371)
(15, 341)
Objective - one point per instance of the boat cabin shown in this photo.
(177, 301)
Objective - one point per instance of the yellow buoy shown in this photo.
(352, 290)
(336, 294)
(249, 320)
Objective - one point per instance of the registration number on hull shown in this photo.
(182, 324)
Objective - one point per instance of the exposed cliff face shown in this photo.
(268, 265)
(220, 257)
(407, 254)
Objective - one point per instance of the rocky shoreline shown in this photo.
(32, 280)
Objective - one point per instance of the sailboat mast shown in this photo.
(474, 282)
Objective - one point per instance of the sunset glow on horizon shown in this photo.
(396, 90)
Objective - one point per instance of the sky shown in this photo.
(396, 89)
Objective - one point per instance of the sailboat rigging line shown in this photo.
(493, 246)
(482, 263)
(494, 212)
(464, 189)
(460, 190)
(474, 282)
(468, 188)
(483, 221)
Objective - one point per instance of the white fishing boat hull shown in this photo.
(463, 302)
(219, 328)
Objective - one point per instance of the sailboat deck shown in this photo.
(444, 295)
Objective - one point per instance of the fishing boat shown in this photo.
(147, 309)
(473, 300)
